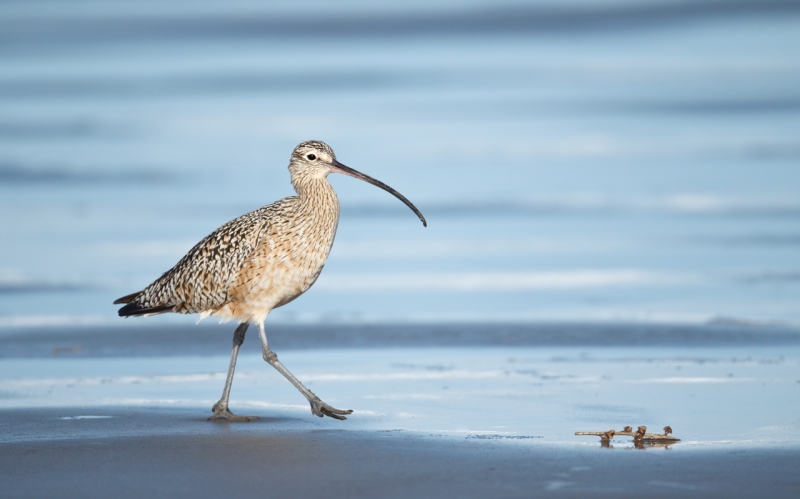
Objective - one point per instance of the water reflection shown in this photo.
(636, 444)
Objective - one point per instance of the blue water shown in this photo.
(581, 160)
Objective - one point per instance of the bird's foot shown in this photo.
(222, 412)
(320, 408)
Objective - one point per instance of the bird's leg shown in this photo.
(318, 407)
(220, 409)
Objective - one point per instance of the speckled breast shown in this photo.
(287, 260)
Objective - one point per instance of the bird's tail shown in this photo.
(133, 309)
(127, 298)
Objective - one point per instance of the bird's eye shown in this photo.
(311, 157)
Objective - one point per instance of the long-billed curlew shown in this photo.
(258, 262)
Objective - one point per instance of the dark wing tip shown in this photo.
(134, 309)
(127, 298)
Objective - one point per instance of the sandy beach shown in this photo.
(132, 455)
(467, 411)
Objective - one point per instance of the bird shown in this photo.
(258, 262)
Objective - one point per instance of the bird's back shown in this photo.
(201, 280)
(247, 267)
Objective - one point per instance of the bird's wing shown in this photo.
(201, 280)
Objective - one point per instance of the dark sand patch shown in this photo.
(170, 453)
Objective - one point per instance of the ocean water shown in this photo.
(576, 161)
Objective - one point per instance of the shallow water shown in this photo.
(737, 397)
(576, 161)
(475, 411)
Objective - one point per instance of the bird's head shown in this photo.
(314, 160)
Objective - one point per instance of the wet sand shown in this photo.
(169, 453)
(440, 411)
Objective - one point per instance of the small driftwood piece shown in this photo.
(639, 436)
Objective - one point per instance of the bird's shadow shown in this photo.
(262, 420)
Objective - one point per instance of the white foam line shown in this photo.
(407, 376)
(152, 402)
(691, 380)
(439, 375)
(272, 405)
(189, 378)
(466, 432)
(86, 417)
(198, 402)
(479, 432)
(404, 396)
(177, 378)
(16, 321)
(216, 376)
(496, 281)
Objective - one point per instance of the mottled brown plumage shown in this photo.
(259, 261)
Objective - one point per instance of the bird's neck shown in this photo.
(317, 195)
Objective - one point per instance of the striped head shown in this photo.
(313, 160)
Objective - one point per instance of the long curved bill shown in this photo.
(337, 167)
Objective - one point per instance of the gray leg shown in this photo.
(221, 408)
(318, 407)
